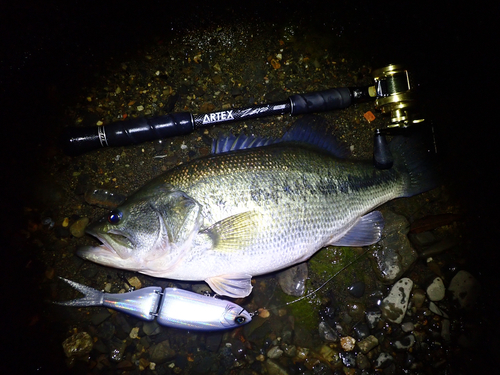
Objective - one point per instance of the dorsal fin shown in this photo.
(312, 130)
(309, 130)
(242, 142)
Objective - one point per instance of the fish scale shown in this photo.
(227, 217)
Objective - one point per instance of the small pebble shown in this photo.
(329, 354)
(436, 310)
(77, 229)
(135, 282)
(347, 343)
(368, 344)
(263, 313)
(373, 317)
(407, 326)
(362, 331)
(134, 333)
(151, 328)
(48, 222)
(289, 350)
(357, 289)
(327, 333)
(302, 353)
(405, 343)
(107, 287)
(78, 345)
(418, 298)
(383, 360)
(362, 361)
(348, 359)
(274, 352)
(143, 364)
(436, 290)
(65, 222)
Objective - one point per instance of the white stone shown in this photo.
(134, 333)
(382, 359)
(407, 327)
(274, 352)
(395, 304)
(436, 290)
(405, 343)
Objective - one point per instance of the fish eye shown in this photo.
(115, 216)
(240, 320)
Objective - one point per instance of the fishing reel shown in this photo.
(395, 96)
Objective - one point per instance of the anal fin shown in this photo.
(231, 285)
(367, 231)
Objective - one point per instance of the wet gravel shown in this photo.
(413, 304)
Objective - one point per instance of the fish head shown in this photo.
(148, 233)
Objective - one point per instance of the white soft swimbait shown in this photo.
(172, 307)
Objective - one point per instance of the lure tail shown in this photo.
(92, 297)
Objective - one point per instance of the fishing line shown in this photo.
(256, 313)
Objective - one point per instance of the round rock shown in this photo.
(347, 343)
(77, 229)
(436, 290)
(78, 345)
(465, 288)
(293, 280)
(327, 333)
(357, 289)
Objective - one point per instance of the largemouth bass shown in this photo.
(237, 214)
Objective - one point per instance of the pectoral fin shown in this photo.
(366, 231)
(235, 232)
(231, 285)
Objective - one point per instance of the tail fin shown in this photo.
(418, 164)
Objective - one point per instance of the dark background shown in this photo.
(49, 49)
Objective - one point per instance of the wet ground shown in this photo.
(127, 61)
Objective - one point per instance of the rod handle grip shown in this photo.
(320, 101)
(76, 141)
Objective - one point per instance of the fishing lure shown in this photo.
(171, 307)
(178, 308)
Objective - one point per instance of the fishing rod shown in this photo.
(122, 133)
(392, 92)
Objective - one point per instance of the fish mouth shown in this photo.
(115, 248)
